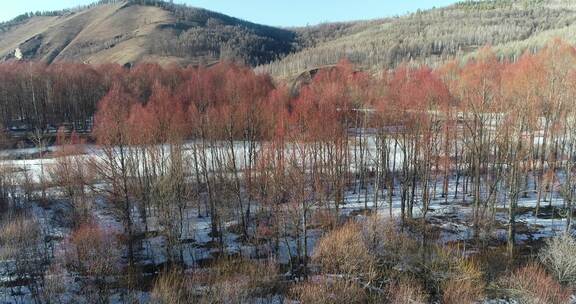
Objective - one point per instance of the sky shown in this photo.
(270, 12)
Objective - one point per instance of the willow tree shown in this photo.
(112, 166)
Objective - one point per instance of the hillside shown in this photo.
(142, 31)
(133, 31)
(510, 26)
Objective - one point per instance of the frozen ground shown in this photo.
(453, 218)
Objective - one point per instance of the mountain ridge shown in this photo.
(437, 35)
(135, 31)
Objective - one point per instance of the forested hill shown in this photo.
(133, 31)
(509, 26)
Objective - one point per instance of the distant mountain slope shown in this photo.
(132, 31)
(511, 26)
(142, 30)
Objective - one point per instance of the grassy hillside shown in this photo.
(142, 30)
(131, 31)
(510, 26)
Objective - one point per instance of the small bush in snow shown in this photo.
(559, 256)
(533, 285)
(459, 278)
(233, 280)
(172, 287)
(332, 290)
(407, 292)
(343, 252)
(462, 291)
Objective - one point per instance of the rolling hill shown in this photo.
(510, 26)
(142, 31)
(133, 31)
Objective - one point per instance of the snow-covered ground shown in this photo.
(453, 218)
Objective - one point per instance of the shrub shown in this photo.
(465, 284)
(559, 256)
(391, 246)
(56, 282)
(344, 252)
(407, 292)
(22, 242)
(462, 291)
(325, 219)
(458, 278)
(4, 139)
(171, 287)
(533, 285)
(92, 253)
(237, 281)
(329, 291)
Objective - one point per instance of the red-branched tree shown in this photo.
(112, 165)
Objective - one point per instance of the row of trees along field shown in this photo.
(241, 149)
